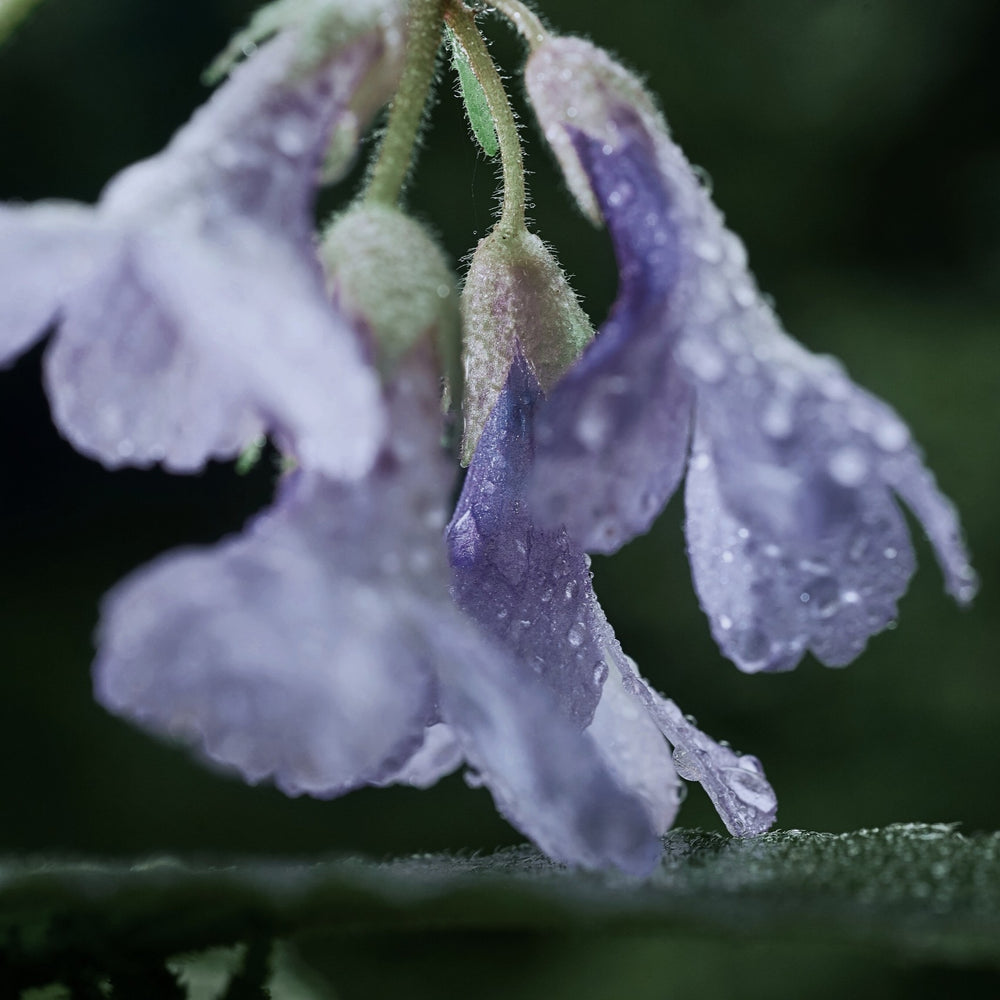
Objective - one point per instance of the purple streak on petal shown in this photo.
(736, 784)
(613, 436)
(46, 251)
(301, 650)
(527, 586)
(547, 778)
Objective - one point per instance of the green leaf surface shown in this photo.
(12, 12)
(915, 890)
(476, 107)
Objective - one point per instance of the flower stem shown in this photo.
(524, 19)
(395, 155)
(462, 21)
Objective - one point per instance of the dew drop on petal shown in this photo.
(576, 634)
(848, 466)
(892, 435)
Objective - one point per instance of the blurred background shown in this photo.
(855, 146)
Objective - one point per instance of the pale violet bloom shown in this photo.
(795, 535)
(321, 649)
(530, 587)
(189, 303)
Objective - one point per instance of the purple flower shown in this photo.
(321, 649)
(190, 305)
(795, 536)
(529, 586)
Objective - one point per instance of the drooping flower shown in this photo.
(795, 537)
(530, 587)
(190, 305)
(321, 649)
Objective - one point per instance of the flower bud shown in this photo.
(392, 281)
(573, 86)
(515, 295)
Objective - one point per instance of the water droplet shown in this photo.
(704, 361)
(743, 533)
(744, 296)
(688, 764)
(704, 176)
(593, 426)
(848, 466)
(892, 435)
(776, 420)
(125, 449)
(824, 593)
(571, 588)
(889, 552)
(727, 556)
(725, 622)
(576, 634)
(850, 597)
(700, 461)
(290, 139)
(708, 250)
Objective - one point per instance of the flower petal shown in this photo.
(46, 251)
(216, 297)
(635, 750)
(734, 782)
(438, 755)
(527, 586)
(301, 650)
(547, 778)
(613, 438)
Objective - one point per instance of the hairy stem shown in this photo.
(462, 21)
(524, 19)
(395, 155)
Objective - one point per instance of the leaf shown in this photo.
(910, 890)
(12, 12)
(476, 106)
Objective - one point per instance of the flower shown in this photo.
(321, 649)
(795, 537)
(191, 309)
(530, 587)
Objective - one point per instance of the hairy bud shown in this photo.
(515, 294)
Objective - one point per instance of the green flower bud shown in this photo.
(515, 294)
(390, 278)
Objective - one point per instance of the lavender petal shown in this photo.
(46, 251)
(635, 750)
(547, 778)
(438, 755)
(527, 586)
(613, 438)
(301, 650)
(735, 783)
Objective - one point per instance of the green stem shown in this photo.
(395, 155)
(463, 23)
(524, 19)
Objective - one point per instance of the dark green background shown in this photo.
(853, 144)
